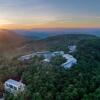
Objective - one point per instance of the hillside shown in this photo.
(10, 42)
(7, 36)
(50, 81)
(14, 44)
(55, 42)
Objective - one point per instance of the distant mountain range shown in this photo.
(12, 39)
(42, 33)
(32, 34)
(19, 42)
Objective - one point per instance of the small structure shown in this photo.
(13, 86)
(46, 60)
(70, 61)
(45, 54)
(67, 56)
(57, 53)
(25, 58)
(72, 48)
(48, 55)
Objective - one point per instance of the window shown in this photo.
(11, 86)
(7, 85)
(15, 88)
(19, 88)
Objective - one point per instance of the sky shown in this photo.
(27, 14)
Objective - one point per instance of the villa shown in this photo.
(72, 48)
(13, 86)
(69, 63)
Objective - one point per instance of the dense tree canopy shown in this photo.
(50, 81)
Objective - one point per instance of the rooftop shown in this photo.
(13, 82)
(67, 56)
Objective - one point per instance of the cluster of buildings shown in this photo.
(13, 86)
(70, 60)
(46, 54)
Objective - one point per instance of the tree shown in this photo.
(57, 60)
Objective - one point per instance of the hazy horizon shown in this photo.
(49, 14)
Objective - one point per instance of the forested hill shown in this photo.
(51, 81)
(9, 40)
(59, 42)
(12, 44)
(69, 38)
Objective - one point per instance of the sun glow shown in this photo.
(4, 22)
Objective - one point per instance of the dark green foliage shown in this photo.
(52, 82)
(57, 60)
(20, 96)
(60, 42)
(40, 79)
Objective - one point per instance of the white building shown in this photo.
(26, 57)
(67, 56)
(57, 53)
(45, 54)
(72, 48)
(46, 60)
(13, 86)
(49, 55)
(70, 61)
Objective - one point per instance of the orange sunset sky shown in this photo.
(27, 14)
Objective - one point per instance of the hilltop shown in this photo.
(10, 41)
